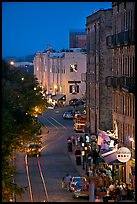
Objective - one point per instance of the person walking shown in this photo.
(73, 140)
(67, 181)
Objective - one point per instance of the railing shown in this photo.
(121, 39)
(121, 82)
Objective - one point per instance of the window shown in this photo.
(74, 89)
(73, 68)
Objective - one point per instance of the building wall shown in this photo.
(53, 72)
(99, 98)
(77, 39)
(124, 66)
(72, 78)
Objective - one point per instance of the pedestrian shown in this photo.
(69, 139)
(117, 191)
(123, 192)
(76, 141)
(111, 189)
(63, 183)
(108, 170)
(73, 140)
(67, 181)
(81, 140)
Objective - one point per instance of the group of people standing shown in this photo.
(120, 191)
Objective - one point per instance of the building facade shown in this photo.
(77, 39)
(99, 65)
(122, 43)
(61, 73)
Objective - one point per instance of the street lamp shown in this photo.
(83, 155)
(11, 62)
(86, 156)
(36, 109)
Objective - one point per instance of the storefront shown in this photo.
(132, 172)
(117, 167)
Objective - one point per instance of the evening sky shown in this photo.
(29, 27)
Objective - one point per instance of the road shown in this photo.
(43, 175)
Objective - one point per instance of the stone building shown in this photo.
(99, 66)
(122, 43)
(60, 73)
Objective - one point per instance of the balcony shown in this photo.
(127, 83)
(121, 39)
(111, 81)
(124, 82)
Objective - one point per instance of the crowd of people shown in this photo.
(106, 178)
(120, 191)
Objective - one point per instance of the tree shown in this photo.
(19, 127)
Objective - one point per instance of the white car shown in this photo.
(68, 115)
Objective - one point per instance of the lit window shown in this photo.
(74, 89)
(73, 68)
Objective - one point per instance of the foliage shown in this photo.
(19, 125)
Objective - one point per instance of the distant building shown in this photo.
(77, 39)
(61, 73)
(24, 66)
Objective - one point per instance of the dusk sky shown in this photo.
(29, 27)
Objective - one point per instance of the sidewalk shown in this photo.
(79, 168)
(82, 172)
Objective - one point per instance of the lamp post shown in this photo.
(83, 155)
(86, 156)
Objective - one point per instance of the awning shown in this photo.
(112, 159)
(58, 96)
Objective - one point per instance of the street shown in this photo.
(46, 172)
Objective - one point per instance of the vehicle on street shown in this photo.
(76, 102)
(73, 102)
(68, 115)
(51, 106)
(33, 150)
(75, 180)
(80, 122)
(80, 190)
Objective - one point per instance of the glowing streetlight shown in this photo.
(35, 88)
(36, 109)
(12, 63)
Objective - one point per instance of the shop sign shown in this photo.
(123, 154)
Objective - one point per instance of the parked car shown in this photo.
(81, 102)
(33, 150)
(73, 102)
(76, 102)
(75, 180)
(68, 115)
(80, 190)
(51, 106)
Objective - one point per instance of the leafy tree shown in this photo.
(19, 126)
